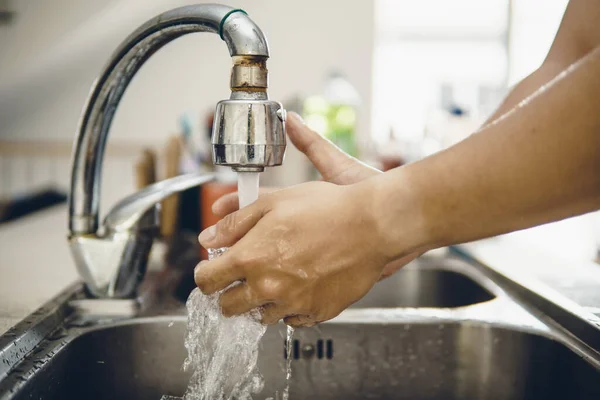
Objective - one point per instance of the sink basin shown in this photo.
(413, 337)
(338, 360)
(426, 284)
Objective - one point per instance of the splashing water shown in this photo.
(222, 352)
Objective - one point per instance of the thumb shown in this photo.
(233, 226)
(329, 159)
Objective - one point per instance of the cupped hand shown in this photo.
(303, 254)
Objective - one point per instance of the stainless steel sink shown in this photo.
(441, 329)
(416, 361)
(428, 283)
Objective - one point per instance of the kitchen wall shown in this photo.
(52, 52)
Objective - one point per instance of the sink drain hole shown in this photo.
(329, 344)
(319, 349)
(322, 349)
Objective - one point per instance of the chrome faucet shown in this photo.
(248, 135)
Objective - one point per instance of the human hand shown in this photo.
(332, 163)
(303, 254)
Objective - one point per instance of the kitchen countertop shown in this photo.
(36, 264)
(35, 260)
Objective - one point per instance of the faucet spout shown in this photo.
(247, 45)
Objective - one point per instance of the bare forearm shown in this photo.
(526, 88)
(539, 163)
(579, 34)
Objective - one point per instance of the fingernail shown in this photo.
(208, 234)
(297, 117)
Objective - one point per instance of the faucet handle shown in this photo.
(125, 215)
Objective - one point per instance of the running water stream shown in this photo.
(223, 352)
(288, 364)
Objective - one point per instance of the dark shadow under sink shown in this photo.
(425, 287)
(417, 361)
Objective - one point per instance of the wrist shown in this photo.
(398, 213)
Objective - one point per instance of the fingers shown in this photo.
(212, 276)
(238, 300)
(233, 226)
(297, 321)
(326, 157)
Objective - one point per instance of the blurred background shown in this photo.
(390, 81)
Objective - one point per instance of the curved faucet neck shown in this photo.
(247, 45)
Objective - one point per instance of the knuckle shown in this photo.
(235, 262)
(226, 226)
(269, 289)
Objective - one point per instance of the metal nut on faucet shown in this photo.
(249, 73)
